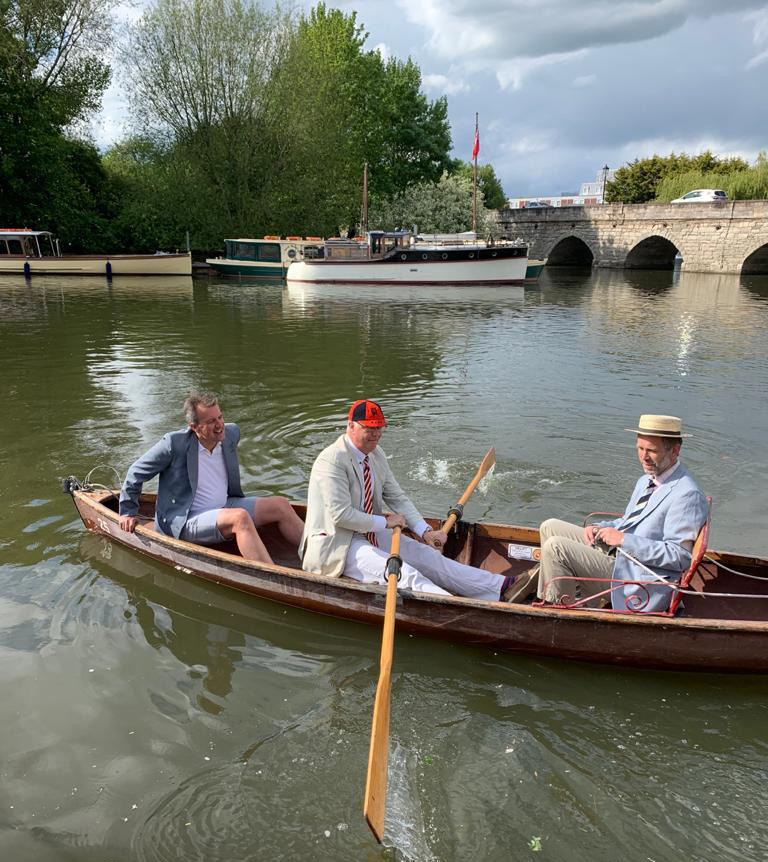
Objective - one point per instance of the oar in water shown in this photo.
(375, 801)
(458, 510)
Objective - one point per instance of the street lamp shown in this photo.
(605, 180)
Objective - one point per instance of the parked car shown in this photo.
(530, 205)
(698, 196)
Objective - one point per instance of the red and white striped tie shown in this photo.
(368, 498)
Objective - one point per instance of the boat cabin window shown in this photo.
(11, 246)
(269, 251)
(346, 249)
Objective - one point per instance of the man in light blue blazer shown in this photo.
(658, 528)
(199, 497)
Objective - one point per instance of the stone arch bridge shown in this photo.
(731, 236)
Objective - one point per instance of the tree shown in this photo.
(51, 77)
(442, 207)
(487, 182)
(639, 181)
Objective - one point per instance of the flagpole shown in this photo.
(475, 149)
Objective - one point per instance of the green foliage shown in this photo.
(304, 106)
(442, 207)
(748, 184)
(639, 181)
(51, 76)
(487, 182)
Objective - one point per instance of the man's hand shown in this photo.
(127, 523)
(434, 538)
(589, 533)
(609, 536)
(395, 520)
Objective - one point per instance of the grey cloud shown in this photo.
(520, 28)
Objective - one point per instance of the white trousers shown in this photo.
(424, 569)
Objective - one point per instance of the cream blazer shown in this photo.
(333, 506)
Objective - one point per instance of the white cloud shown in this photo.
(723, 147)
(382, 49)
(759, 37)
(444, 84)
(584, 80)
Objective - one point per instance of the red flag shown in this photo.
(476, 146)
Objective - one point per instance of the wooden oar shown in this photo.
(375, 802)
(458, 509)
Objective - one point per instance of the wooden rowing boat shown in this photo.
(714, 633)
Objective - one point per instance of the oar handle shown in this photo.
(375, 799)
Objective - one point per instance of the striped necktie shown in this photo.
(642, 501)
(368, 498)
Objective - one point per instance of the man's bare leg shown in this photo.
(238, 523)
(278, 510)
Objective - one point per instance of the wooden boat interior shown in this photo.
(485, 545)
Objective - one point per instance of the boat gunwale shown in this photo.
(603, 617)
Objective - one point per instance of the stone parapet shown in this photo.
(710, 237)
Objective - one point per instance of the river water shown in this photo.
(146, 716)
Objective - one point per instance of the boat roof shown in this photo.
(274, 239)
(10, 232)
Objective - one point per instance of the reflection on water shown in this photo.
(149, 716)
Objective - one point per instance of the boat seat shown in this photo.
(697, 555)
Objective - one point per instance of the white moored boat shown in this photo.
(392, 257)
(37, 252)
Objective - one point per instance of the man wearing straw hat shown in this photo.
(658, 528)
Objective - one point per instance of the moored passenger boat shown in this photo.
(38, 252)
(393, 257)
(723, 626)
(268, 257)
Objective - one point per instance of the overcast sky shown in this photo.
(564, 87)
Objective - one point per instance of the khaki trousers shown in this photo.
(565, 554)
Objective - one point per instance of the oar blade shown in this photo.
(488, 462)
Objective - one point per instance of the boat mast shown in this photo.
(475, 151)
(364, 224)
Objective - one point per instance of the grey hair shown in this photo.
(196, 399)
(669, 442)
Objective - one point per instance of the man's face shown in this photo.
(654, 455)
(366, 439)
(209, 428)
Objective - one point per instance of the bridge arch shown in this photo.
(653, 252)
(756, 263)
(570, 250)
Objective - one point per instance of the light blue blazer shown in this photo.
(675, 513)
(174, 458)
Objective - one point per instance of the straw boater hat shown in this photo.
(659, 426)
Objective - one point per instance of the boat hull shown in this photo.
(104, 265)
(499, 271)
(534, 268)
(636, 640)
(247, 269)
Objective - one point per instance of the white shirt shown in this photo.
(381, 521)
(212, 482)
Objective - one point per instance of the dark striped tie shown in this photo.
(368, 498)
(642, 501)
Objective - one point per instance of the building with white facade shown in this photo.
(589, 193)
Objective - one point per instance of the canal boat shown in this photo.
(38, 252)
(721, 625)
(268, 257)
(394, 257)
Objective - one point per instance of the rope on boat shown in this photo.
(72, 483)
(683, 592)
(734, 571)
